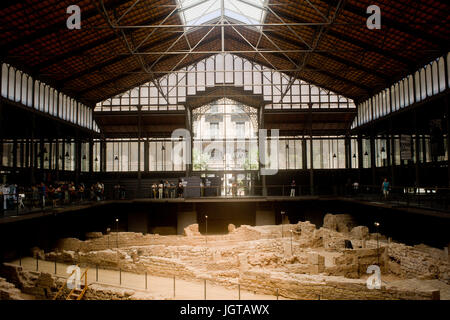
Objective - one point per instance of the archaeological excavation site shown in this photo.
(289, 261)
(215, 159)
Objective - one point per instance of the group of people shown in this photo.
(119, 192)
(166, 189)
(41, 195)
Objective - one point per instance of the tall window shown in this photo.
(240, 129)
(214, 130)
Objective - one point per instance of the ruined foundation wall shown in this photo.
(303, 287)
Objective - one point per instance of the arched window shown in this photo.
(4, 80)
(11, 83)
(24, 89)
(18, 81)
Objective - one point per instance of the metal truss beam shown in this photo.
(327, 54)
(403, 27)
(53, 28)
(321, 32)
(107, 63)
(121, 35)
(80, 50)
(357, 42)
(121, 76)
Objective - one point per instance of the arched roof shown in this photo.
(302, 37)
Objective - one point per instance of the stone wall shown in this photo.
(38, 284)
(8, 291)
(304, 287)
(411, 262)
(44, 286)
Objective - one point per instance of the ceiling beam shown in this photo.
(339, 36)
(117, 78)
(405, 28)
(107, 63)
(92, 45)
(53, 28)
(330, 56)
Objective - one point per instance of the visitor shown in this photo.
(42, 194)
(293, 188)
(202, 189)
(81, 190)
(355, 187)
(154, 187)
(234, 189)
(166, 189)
(116, 192)
(160, 189)
(180, 189)
(172, 190)
(385, 188)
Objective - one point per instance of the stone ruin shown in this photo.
(300, 260)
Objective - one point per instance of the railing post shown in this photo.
(204, 285)
(239, 290)
(37, 263)
(146, 281)
(120, 276)
(174, 286)
(277, 293)
(96, 273)
(55, 264)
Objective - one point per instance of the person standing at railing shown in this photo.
(355, 187)
(166, 189)
(3, 192)
(293, 188)
(42, 194)
(160, 189)
(172, 190)
(180, 189)
(154, 187)
(385, 188)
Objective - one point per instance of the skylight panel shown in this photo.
(197, 12)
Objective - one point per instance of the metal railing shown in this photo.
(436, 198)
(184, 288)
(21, 203)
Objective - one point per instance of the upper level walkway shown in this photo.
(431, 205)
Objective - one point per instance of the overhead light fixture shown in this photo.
(163, 148)
(334, 155)
(84, 157)
(67, 154)
(366, 154)
(96, 159)
(382, 149)
(354, 155)
(116, 158)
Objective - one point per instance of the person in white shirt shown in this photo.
(160, 189)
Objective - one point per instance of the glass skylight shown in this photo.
(197, 12)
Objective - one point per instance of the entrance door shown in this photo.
(237, 184)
